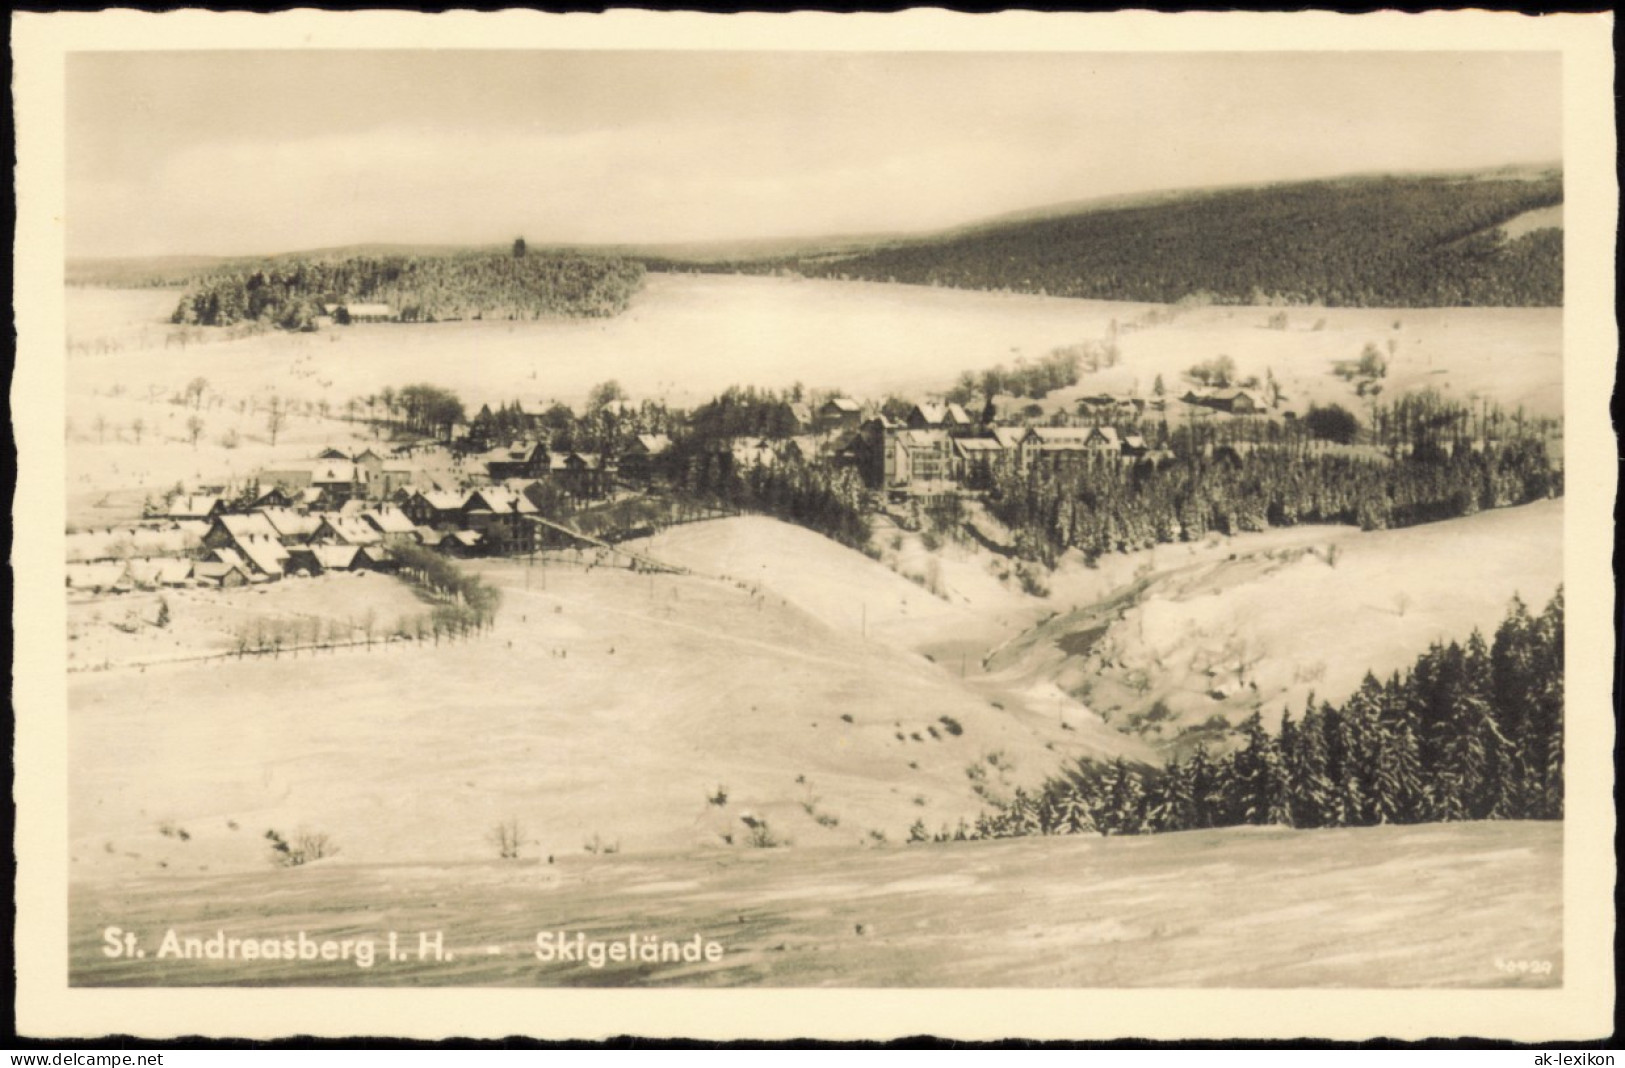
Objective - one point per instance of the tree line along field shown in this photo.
(683, 338)
(105, 634)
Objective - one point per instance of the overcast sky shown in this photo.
(254, 152)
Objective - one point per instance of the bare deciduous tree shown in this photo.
(507, 837)
(276, 417)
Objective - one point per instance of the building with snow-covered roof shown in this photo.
(291, 527)
(392, 524)
(221, 572)
(360, 312)
(105, 577)
(153, 572)
(229, 531)
(641, 458)
(932, 415)
(435, 508)
(918, 456)
(336, 529)
(838, 413)
(264, 555)
(194, 507)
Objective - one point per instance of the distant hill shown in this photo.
(291, 292)
(138, 271)
(1407, 240)
(1402, 241)
(743, 249)
(145, 271)
(1511, 172)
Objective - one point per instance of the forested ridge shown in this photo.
(1378, 242)
(417, 289)
(1473, 731)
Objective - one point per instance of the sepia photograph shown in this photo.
(909, 516)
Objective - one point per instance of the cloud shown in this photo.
(806, 148)
(681, 182)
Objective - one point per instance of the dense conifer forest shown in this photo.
(700, 464)
(1424, 458)
(742, 412)
(1371, 242)
(818, 495)
(1473, 731)
(417, 289)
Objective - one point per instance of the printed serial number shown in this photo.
(1524, 967)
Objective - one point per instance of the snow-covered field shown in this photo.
(1444, 905)
(686, 337)
(613, 704)
(603, 704)
(788, 682)
(1512, 356)
(112, 471)
(1267, 618)
(118, 631)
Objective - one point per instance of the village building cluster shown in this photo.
(939, 448)
(346, 511)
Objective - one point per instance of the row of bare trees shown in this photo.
(274, 635)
